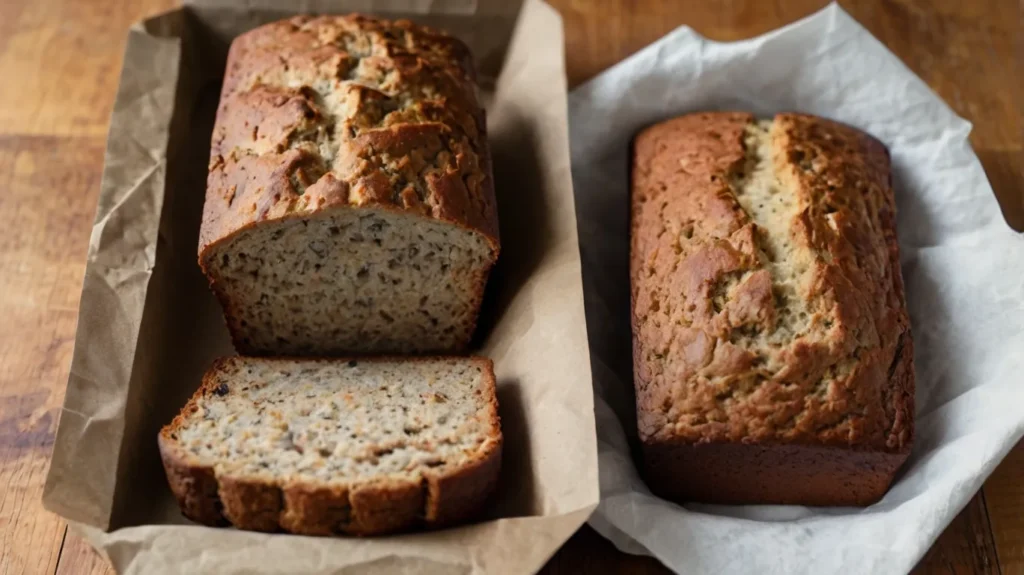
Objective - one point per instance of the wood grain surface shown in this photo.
(60, 60)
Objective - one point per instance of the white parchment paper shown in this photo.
(963, 268)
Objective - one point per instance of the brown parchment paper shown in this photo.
(148, 326)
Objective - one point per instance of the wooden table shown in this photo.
(60, 59)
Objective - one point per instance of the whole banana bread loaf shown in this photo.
(350, 204)
(772, 352)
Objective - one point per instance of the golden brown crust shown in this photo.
(713, 364)
(366, 508)
(347, 111)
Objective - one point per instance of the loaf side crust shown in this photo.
(371, 507)
(748, 336)
(777, 474)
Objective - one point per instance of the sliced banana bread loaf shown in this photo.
(350, 204)
(360, 446)
(772, 351)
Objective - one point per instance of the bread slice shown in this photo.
(320, 447)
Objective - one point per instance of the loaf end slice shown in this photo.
(349, 446)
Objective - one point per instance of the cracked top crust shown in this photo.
(768, 303)
(348, 111)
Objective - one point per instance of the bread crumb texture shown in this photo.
(349, 177)
(768, 304)
(330, 423)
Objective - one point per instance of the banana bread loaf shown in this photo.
(322, 447)
(350, 204)
(772, 352)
